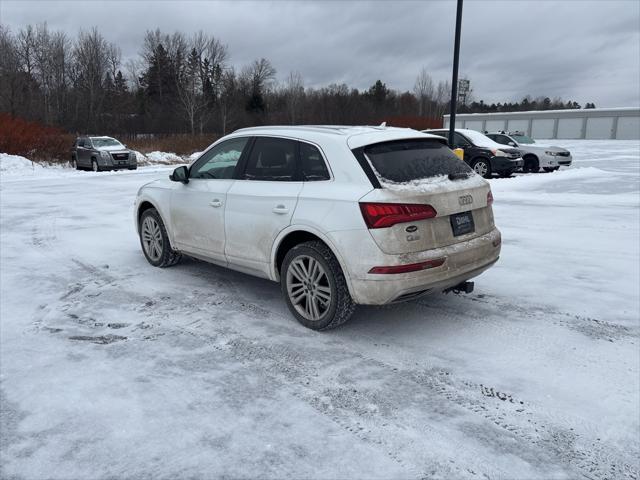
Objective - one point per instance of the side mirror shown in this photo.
(180, 174)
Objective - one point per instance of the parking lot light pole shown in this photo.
(454, 79)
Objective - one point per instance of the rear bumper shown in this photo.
(463, 261)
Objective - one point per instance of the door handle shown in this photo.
(215, 203)
(280, 209)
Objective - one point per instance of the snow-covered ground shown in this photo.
(110, 368)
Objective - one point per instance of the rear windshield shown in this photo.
(406, 160)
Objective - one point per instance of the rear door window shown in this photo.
(272, 159)
(403, 161)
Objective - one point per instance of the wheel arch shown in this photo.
(481, 157)
(146, 204)
(294, 235)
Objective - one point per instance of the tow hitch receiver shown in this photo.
(464, 287)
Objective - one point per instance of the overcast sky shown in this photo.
(588, 51)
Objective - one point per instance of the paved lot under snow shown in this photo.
(113, 369)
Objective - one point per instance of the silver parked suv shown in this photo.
(102, 153)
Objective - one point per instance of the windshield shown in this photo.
(105, 142)
(479, 139)
(406, 160)
(522, 139)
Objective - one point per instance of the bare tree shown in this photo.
(294, 95)
(261, 75)
(59, 60)
(190, 88)
(228, 96)
(133, 68)
(114, 59)
(442, 98)
(10, 72)
(423, 90)
(91, 58)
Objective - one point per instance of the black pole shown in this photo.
(454, 79)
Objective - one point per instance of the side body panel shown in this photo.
(256, 212)
(197, 217)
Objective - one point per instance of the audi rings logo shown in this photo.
(465, 200)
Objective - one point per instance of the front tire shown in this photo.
(314, 286)
(531, 165)
(155, 241)
(94, 166)
(482, 167)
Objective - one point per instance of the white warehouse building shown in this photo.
(591, 123)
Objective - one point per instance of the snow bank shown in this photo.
(194, 156)
(529, 182)
(159, 158)
(15, 165)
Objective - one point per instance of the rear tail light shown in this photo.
(411, 267)
(489, 198)
(382, 215)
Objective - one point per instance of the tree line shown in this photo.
(188, 84)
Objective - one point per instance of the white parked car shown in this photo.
(338, 215)
(535, 155)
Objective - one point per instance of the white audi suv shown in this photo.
(338, 215)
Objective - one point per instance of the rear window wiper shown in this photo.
(458, 176)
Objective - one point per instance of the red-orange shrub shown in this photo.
(34, 140)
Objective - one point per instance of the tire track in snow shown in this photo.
(333, 395)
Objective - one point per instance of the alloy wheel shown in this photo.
(480, 168)
(152, 238)
(308, 287)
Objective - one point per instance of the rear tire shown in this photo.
(155, 241)
(482, 167)
(314, 287)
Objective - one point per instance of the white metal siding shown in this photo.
(459, 123)
(473, 125)
(628, 128)
(519, 126)
(542, 127)
(600, 123)
(570, 128)
(494, 125)
(599, 128)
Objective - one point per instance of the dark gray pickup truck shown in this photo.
(102, 153)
